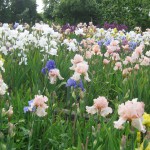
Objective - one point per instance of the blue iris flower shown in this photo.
(101, 42)
(28, 108)
(49, 65)
(30, 102)
(16, 25)
(73, 83)
(132, 45)
(80, 85)
(123, 38)
(43, 70)
(107, 42)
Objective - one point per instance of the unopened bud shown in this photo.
(10, 111)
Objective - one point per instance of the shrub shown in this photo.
(131, 13)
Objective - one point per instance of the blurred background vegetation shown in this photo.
(18, 11)
(129, 12)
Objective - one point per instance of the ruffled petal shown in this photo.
(106, 111)
(118, 124)
(41, 112)
(60, 77)
(86, 77)
(52, 80)
(91, 110)
(76, 76)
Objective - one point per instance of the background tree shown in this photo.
(5, 10)
(50, 7)
(73, 11)
(129, 12)
(18, 11)
(24, 11)
(132, 13)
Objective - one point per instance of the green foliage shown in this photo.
(50, 8)
(75, 11)
(18, 11)
(5, 10)
(129, 12)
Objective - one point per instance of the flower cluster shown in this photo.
(115, 25)
(131, 111)
(37, 105)
(67, 28)
(71, 45)
(48, 40)
(80, 67)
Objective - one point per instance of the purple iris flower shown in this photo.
(106, 43)
(132, 45)
(49, 65)
(30, 102)
(68, 26)
(28, 108)
(124, 41)
(100, 43)
(73, 83)
(80, 85)
(115, 25)
(43, 70)
(16, 25)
